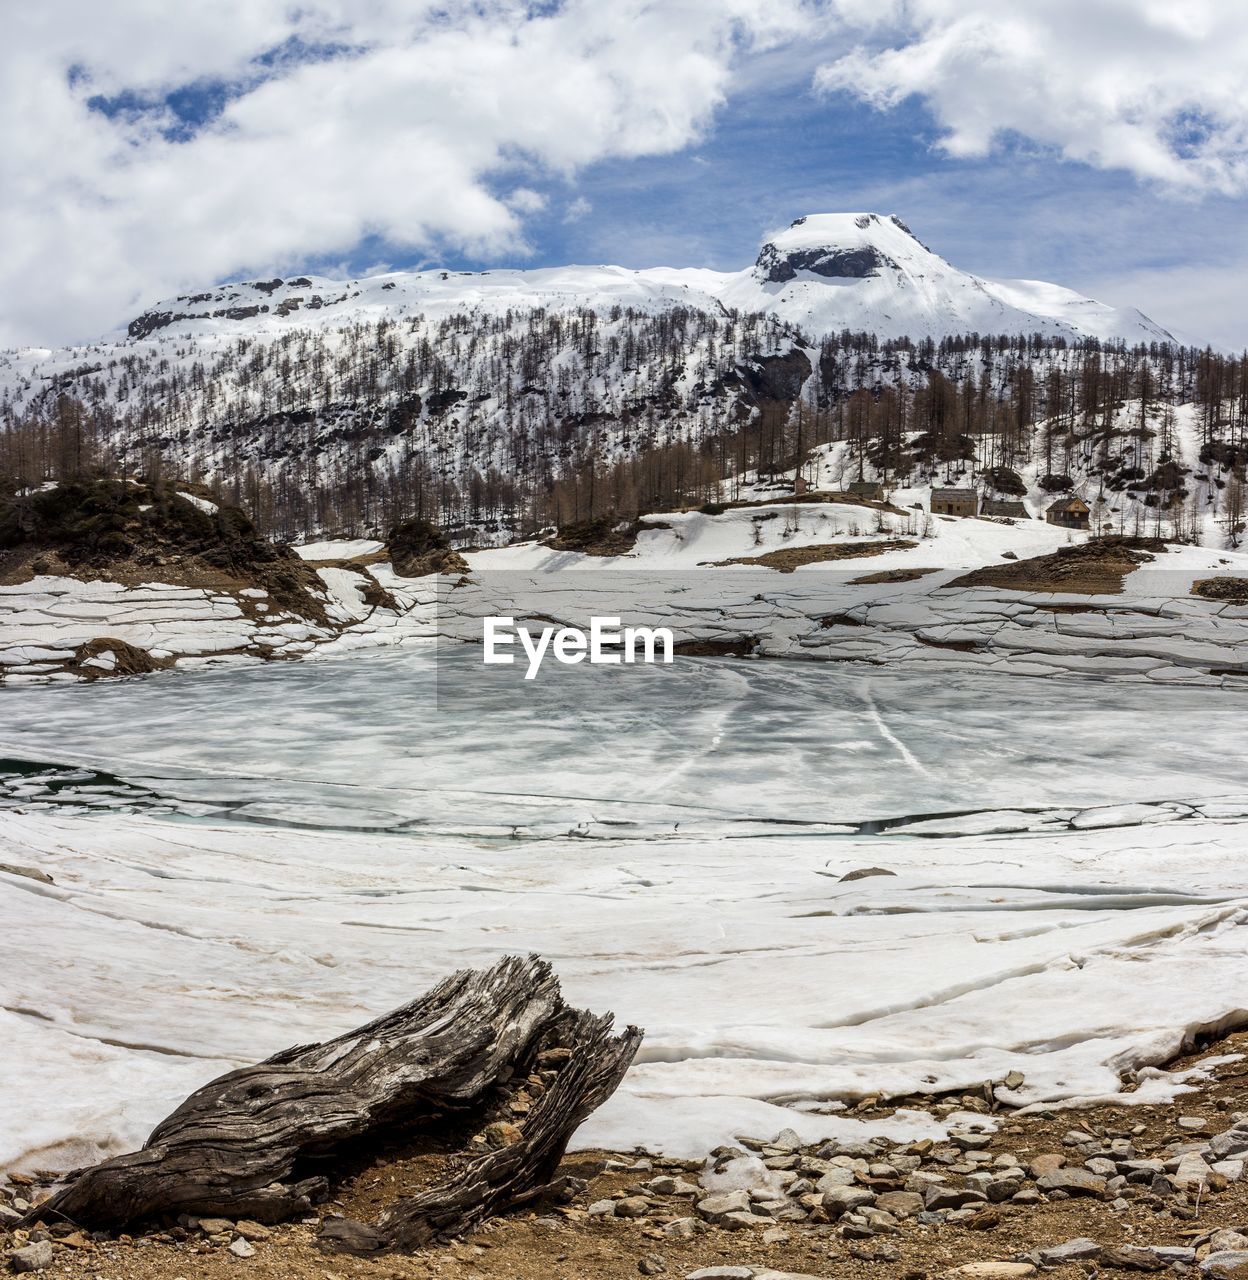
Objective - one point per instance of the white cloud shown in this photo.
(427, 127)
(1203, 305)
(526, 200)
(1154, 87)
(405, 134)
(577, 209)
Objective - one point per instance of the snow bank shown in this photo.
(339, 549)
(768, 989)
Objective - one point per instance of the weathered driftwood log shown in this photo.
(263, 1142)
(517, 1174)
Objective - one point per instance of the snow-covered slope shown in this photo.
(273, 305)
(463, 394)
(258, 858)
(825, 273)
(862, 271)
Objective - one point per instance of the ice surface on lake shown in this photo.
(253, 858)
(385, 741)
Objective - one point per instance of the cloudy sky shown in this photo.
(148, 147)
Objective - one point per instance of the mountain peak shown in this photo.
(838, 246)
(837, 228)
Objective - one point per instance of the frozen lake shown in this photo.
(252, 858)
(378, 742)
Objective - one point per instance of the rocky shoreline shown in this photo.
(1112, 1189)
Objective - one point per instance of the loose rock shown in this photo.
(1226, 1265)
(946, 1197)
(996, 1270)
(1072, 1251)
(1129, 1257)
(1074, 1182)
(34, 1257)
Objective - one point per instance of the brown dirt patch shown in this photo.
(443, 561)
(738, 647)
(1095, 568)
(130, 660)
(810, 498)
(786, 559)
(1227, 590)
(890, 575)
(417, 548)
(134, 533)
(376, 596)
(959, 646)
(350, 562)
(607, 536)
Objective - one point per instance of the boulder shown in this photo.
(1130, 1257)
(716, 1207)
(1172, 1253)
(1071, 1251)
(739, 1221)
(839, 1200)
(1074, 1182)
(839, 1177)
(34, 1257)
(1226, 1264)
(1192, 1171)
(947, 1197)
(1233, 1142)
(901, 1204)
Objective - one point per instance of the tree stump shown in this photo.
(264, 1142)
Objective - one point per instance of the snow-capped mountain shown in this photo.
(869, 273)
(473, 396)
(824, 274)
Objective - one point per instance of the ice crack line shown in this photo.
(890, 737)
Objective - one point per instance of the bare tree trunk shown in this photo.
(266, 1142)
(517, 1174)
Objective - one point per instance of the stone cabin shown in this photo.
(1012, 510)
(955, 502)
(872, 490)
(1069, 513)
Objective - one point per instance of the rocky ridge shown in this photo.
(120, 577)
